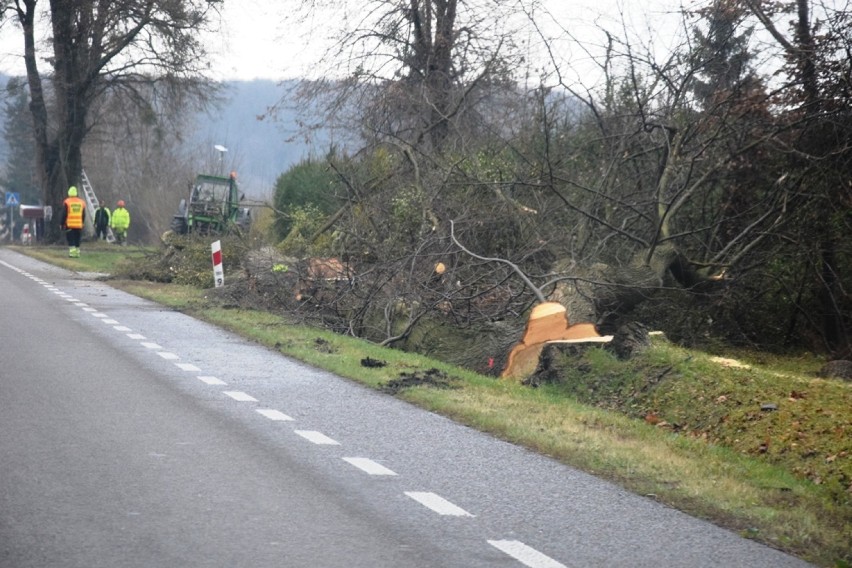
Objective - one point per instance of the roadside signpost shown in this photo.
(13, 199)
(218, 271)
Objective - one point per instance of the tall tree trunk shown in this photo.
(434, 39)
(812, 143)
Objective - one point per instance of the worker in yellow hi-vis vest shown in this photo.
(71, 221)
(120, 222)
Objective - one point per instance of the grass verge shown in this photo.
(98, 257)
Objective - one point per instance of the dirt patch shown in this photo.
(323, 346)
(430, 378)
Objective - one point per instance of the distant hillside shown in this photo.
(260, 150)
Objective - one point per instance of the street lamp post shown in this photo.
(221, 149)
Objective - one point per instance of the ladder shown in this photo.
(90, 198)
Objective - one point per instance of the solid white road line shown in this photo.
(272, 414)
(369, 466)
(437, 503)
(187, 367)
(525, 554)
(317, 437)
(150, 345)
(211, 380)
(240, 396)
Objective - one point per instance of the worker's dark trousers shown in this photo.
(73, 237)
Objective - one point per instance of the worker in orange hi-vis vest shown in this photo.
(71, 221)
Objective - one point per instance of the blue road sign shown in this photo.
(12, 199)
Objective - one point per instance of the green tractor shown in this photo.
(213, 207)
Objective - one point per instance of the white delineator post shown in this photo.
(218, 271)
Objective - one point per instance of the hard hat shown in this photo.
(120, 203)
(72, 191)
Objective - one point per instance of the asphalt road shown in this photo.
(132, 435)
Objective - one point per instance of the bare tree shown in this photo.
(407, 69)
(101, 47)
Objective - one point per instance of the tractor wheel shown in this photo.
(179, 225)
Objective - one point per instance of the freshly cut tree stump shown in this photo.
(548, 323)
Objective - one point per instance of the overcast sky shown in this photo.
(257, 41)
(260, 43)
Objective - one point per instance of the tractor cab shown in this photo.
(213, 206)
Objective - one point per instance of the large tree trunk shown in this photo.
(58, 146)
(434, 41)
(605, 295)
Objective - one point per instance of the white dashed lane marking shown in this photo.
(272, 414)
(109, 321)
(369, 466)
(187, 367)
(437, 504)
(167, 355)
(317, 438)
(211, 380)
(525, 555)
(240, 396)
(151, 345)
(136, 336)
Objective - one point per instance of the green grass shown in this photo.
(679, 425)
(98, 257)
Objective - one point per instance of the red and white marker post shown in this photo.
(218, 271)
